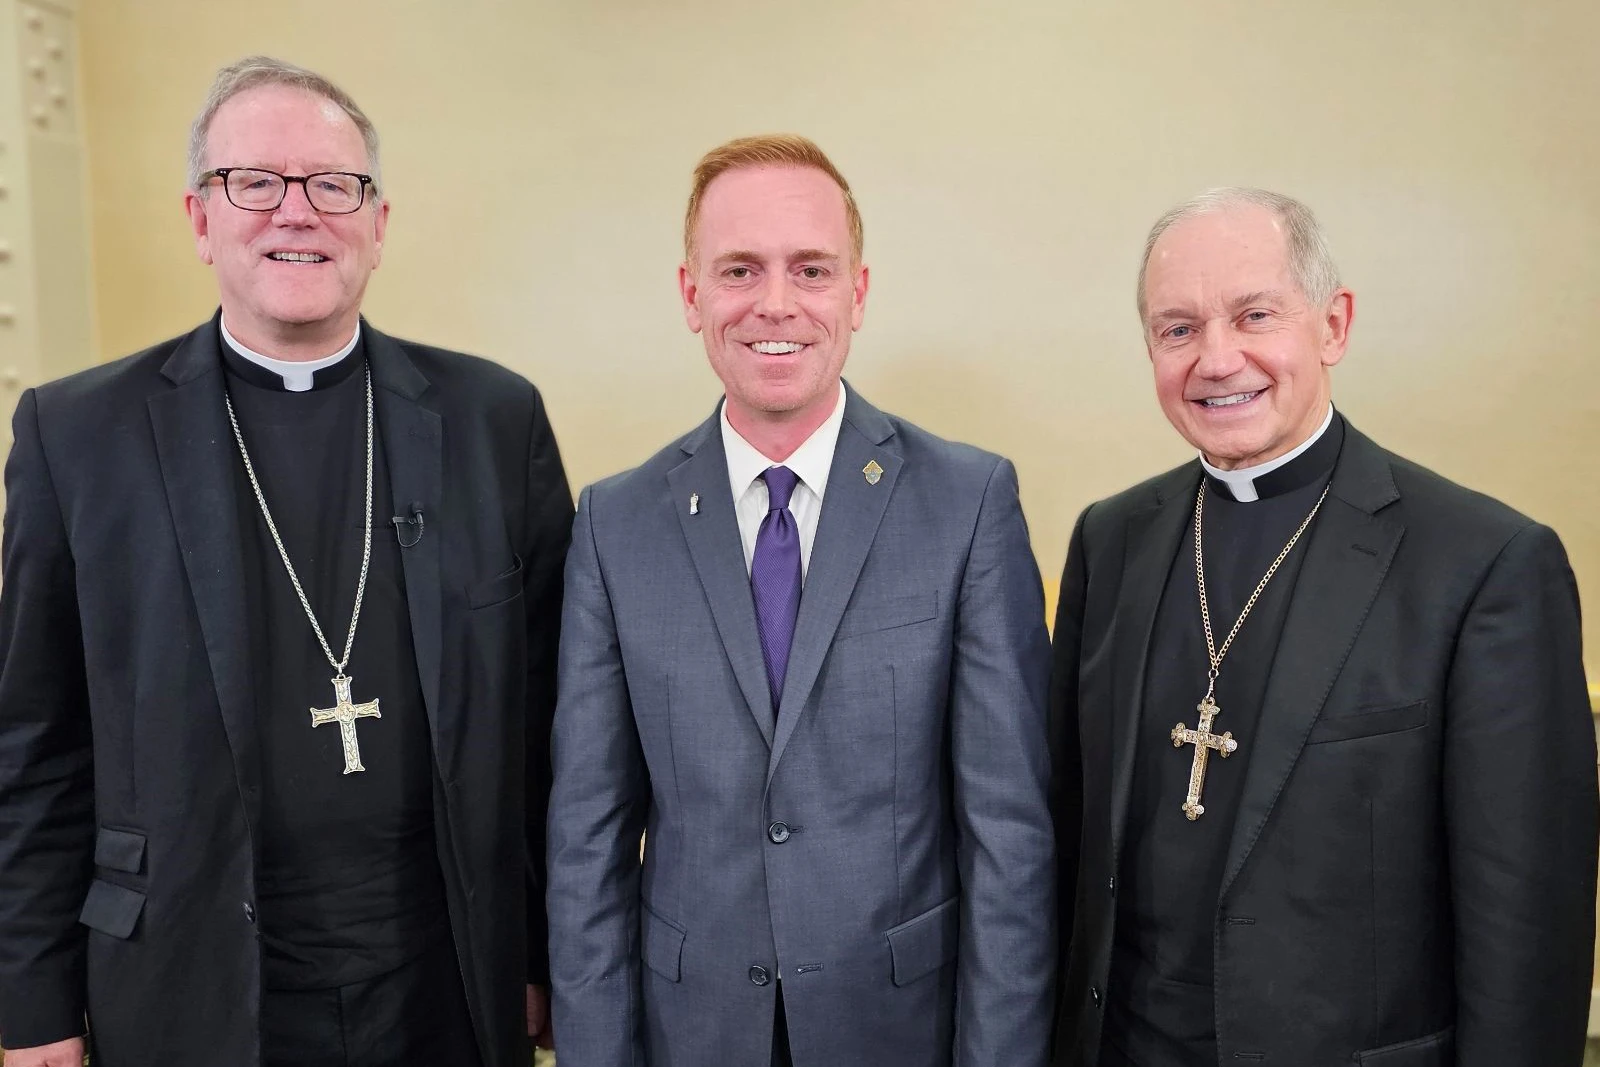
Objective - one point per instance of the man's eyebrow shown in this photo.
(800, 255)
(736, 255)
(1262, 296)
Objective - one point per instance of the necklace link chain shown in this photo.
(1212, 652)
(283, 553)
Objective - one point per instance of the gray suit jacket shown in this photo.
(882, 846)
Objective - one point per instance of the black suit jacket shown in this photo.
(1411, 876)
(129, 767)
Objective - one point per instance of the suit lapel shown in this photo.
(712, 535)
(1348, 553)
(852, 508)
(198, 457)
(413, 444)
(1153, 536)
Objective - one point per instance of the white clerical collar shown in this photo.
(1242, 482)
(296, 375)
(811, 461)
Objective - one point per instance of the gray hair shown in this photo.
(252, 72)
(1310, 262)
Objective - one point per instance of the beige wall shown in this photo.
(46, 301)
(1008, 158)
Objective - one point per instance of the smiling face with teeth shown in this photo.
(775, 296)
(1240, 355)
(290, 280)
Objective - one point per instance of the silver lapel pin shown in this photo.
(694, 503)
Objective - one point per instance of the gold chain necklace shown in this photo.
(1204, 741)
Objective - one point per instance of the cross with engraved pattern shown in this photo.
(345, 712)
(1205, 742)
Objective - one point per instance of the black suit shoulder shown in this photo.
(470, 386)
(1151, 492)
(1435, 505)
(111, 383)
(475, 377)
(1457, 538)
(92, 423)
(1108, 516)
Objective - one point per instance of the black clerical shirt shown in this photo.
(348, 883)
(1160, 1005)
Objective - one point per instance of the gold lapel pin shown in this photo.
(872, 471)
(694, 503)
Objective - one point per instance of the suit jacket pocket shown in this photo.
(922, 945)
(111, 909)
(1435, 1050)
(661, 945)
(496, 590)
(889, 613)
(119, 850)
(1369, 722)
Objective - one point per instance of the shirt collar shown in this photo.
(1246, 485)
(297, 375)
(811, 461)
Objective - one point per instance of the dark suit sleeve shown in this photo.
(597, 813)
(1066, 754)
(548, 530)
(46, 760)
(1000, 765)
(1521, 814)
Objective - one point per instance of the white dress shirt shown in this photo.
(810, 462)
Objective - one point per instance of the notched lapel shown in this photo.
(413, 444)
(197, 454)
(712, 534)
(852, 510)
(1153, 536)
(1349, 552)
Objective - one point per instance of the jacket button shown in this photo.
(249, 911)
(759, 975)
(1111, 884)
(1094, 995)
(779, 832)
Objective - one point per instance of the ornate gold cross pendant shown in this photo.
(1205, 742)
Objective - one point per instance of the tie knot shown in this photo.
(780, 486)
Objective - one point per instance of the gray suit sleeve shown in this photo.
(547, 530)
(1521, 812)
(1000, 760)
(598, 802)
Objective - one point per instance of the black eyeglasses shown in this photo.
(333, 192)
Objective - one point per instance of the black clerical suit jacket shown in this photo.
(130, 781)
(1410, 880)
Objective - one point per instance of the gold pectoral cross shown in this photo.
(345, 712)
(1204, 742)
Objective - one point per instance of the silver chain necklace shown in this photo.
(345, 711)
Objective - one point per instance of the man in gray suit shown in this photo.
(849, 856)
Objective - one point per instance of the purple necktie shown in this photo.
(775, 577)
